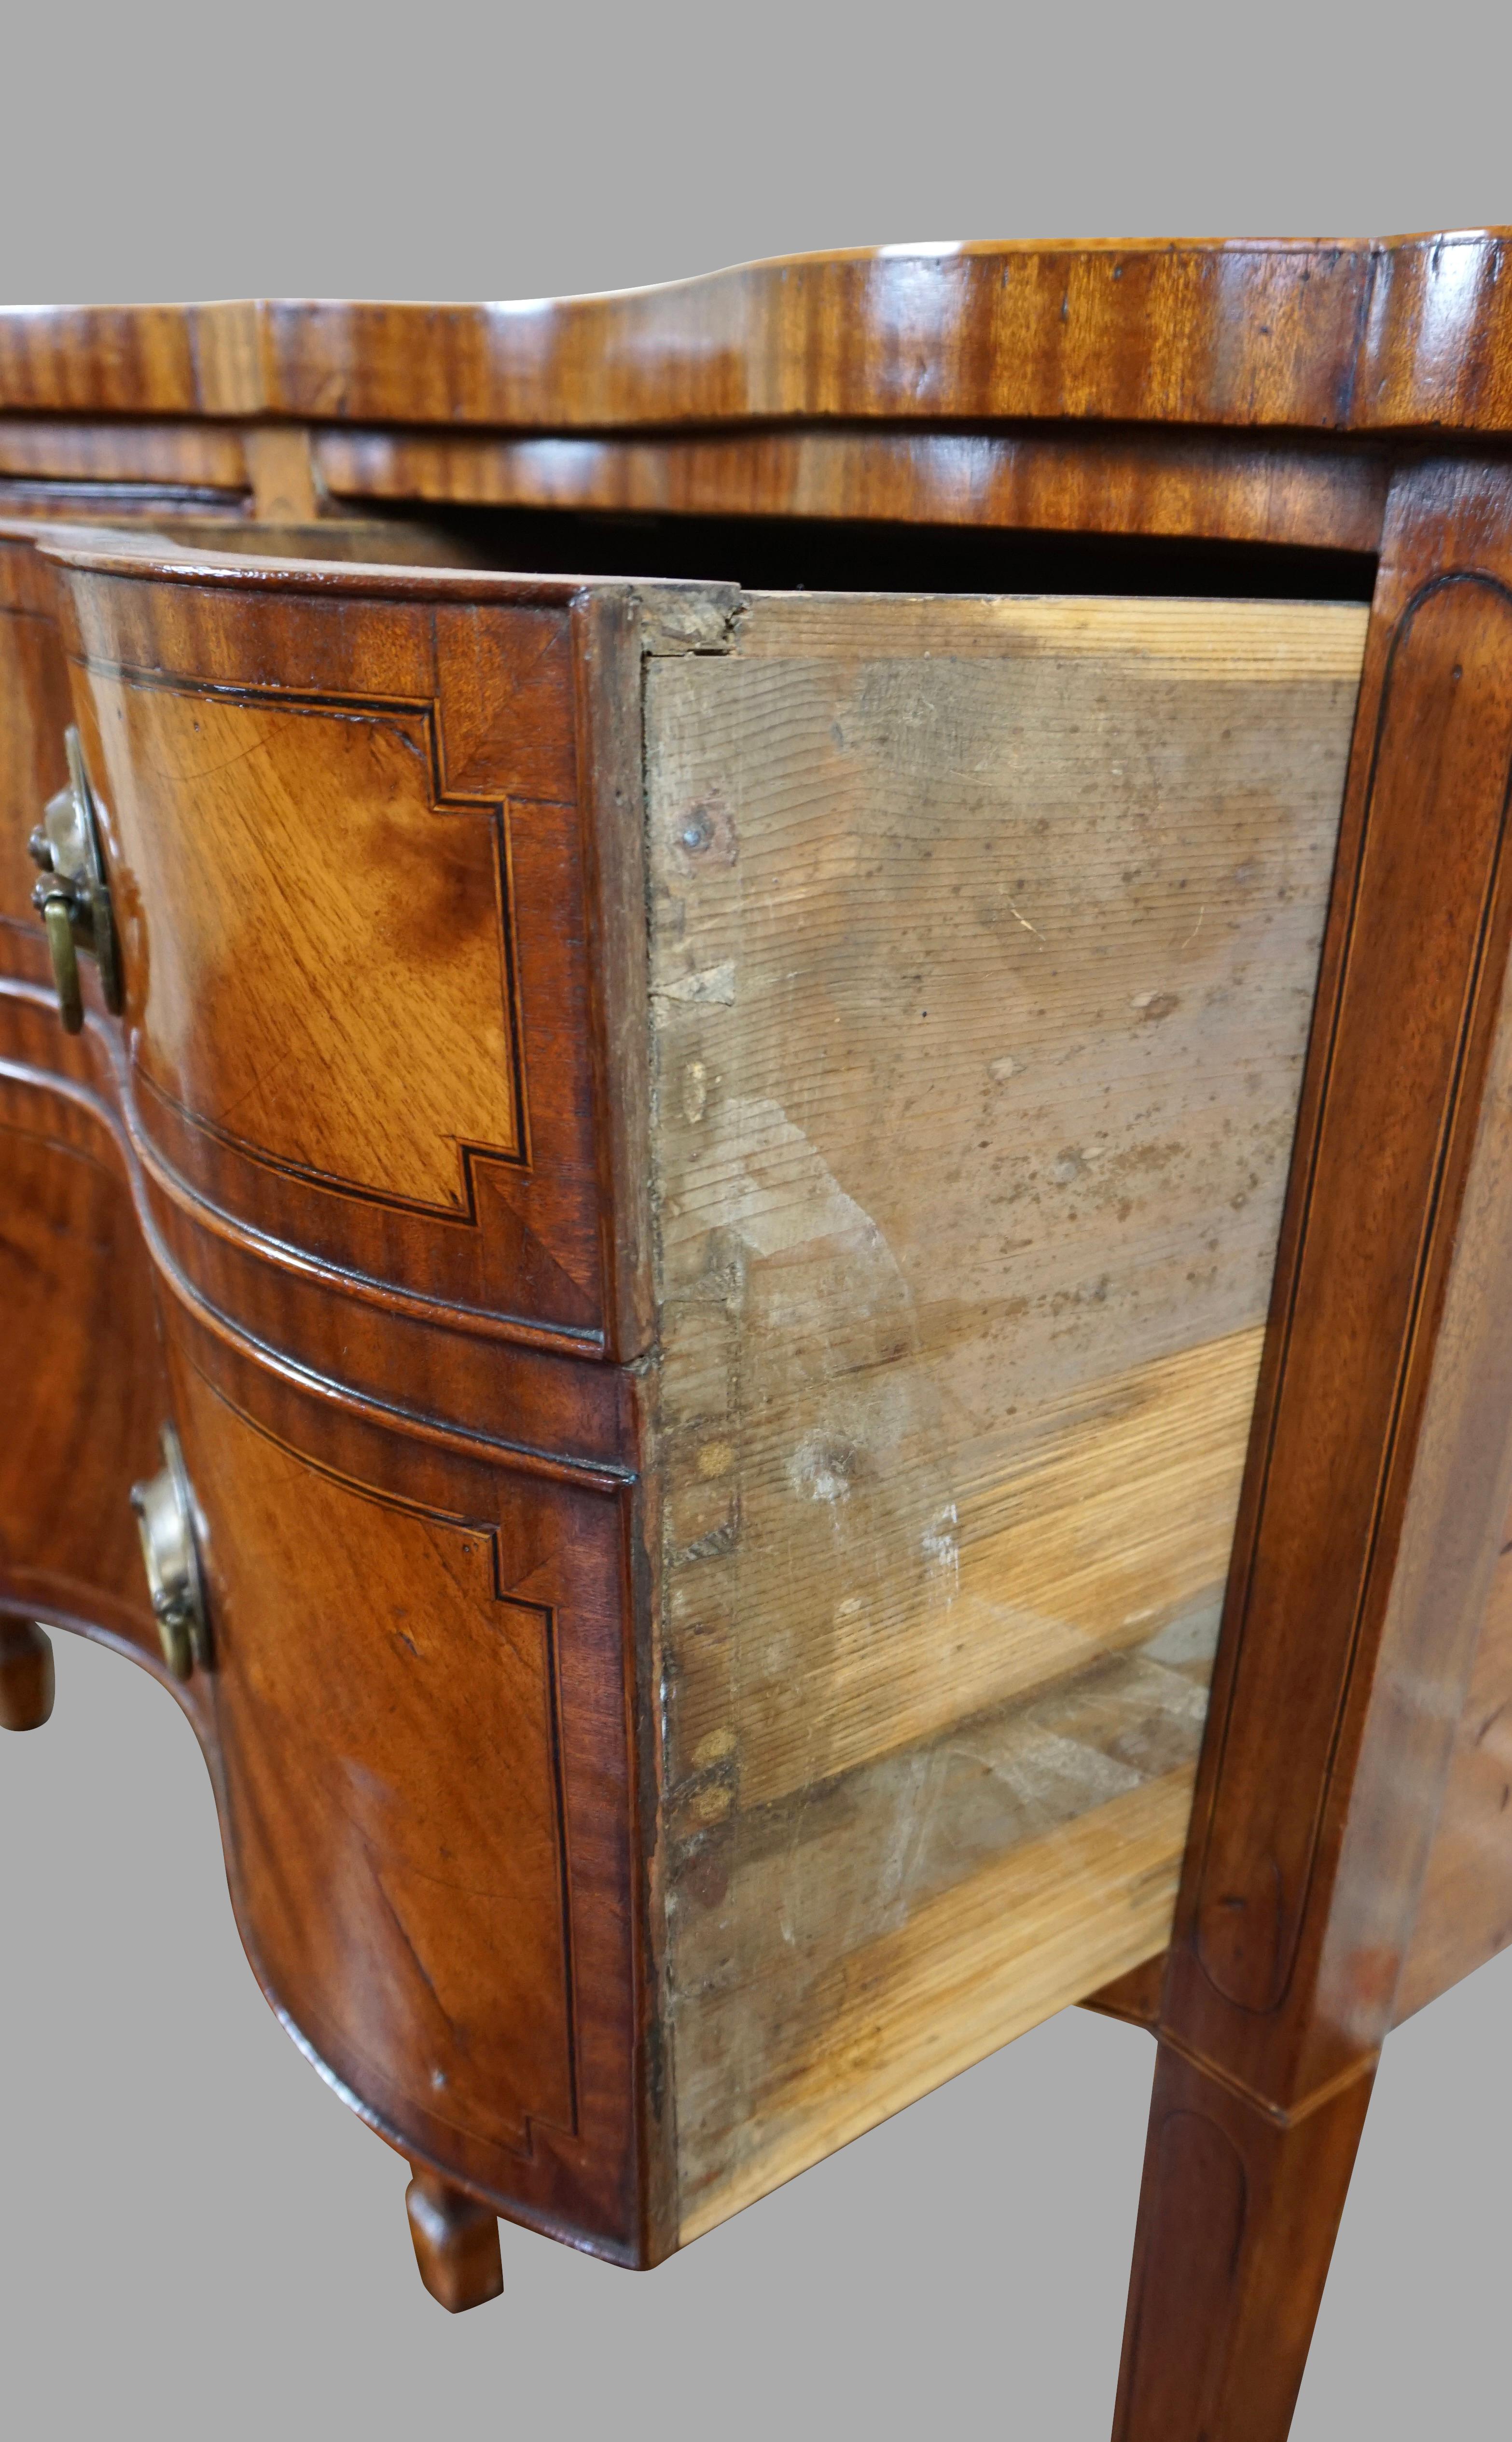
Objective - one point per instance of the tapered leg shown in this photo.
(1372, 1512)
(1237, 2220)
(27, 1679)
(456, 2242)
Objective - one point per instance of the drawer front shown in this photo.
(344, 842)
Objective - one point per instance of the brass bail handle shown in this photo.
(73, 897)
(165, 1520)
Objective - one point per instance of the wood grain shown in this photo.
(1151, 481)
(1092, 1078)
(1421, 921)
(483, 679)
(81, 1340)
(1410, 1881)
(1345, 335)
(384, 772)
(868, 1712)
(34, 712)
(1230, 2257)
(1464, 1911)
(1421, 898)
(28, 1680)
(983, 947)
(192, 453)
(263, 850)
(418, 1694)
(1134, 1996)
(456, 2242)
(889, 2019)
(1378, 1477)
(391, 1713)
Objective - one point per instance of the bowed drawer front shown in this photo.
(713, 1163)
(329, 821)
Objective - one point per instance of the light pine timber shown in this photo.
(984, 935)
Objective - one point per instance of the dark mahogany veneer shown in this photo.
(1349, 404)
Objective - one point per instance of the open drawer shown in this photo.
(714, 1162)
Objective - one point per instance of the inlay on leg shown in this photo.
(456, 2242)
(27, 1678)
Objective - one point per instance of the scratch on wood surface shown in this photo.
(710, 984)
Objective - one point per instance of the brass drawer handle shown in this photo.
(73, 896)
(165, 1520)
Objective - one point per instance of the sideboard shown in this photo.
(757, 1099)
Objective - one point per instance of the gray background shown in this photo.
(197, 2238)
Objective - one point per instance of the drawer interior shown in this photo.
(813, 555)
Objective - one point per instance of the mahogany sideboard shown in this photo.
(757, 1099)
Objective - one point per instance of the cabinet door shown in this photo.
(418, 1689)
